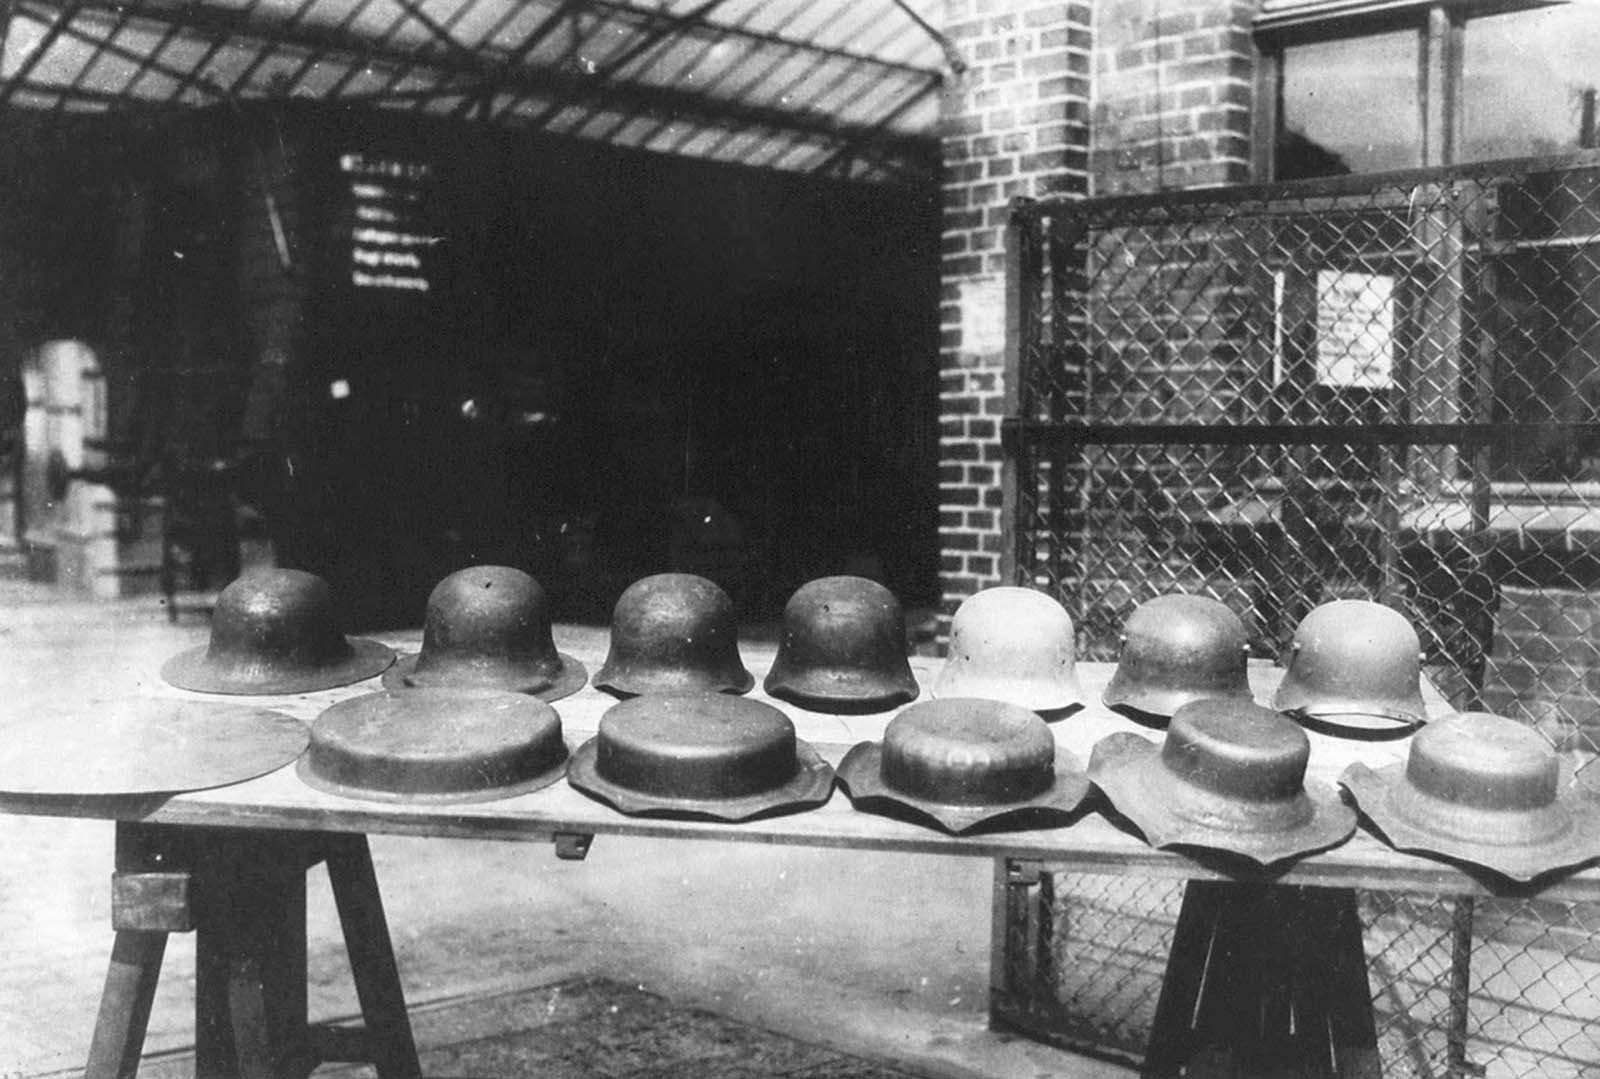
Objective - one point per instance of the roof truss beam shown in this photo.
(450, 64)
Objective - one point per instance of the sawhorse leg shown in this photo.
(125, 1004)
(1264, 980)
(244, 892)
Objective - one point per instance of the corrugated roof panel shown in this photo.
(589, 123)
(562, 121)
(229, 65)
(739, 146)
(472, 23)
(318, 78)
(112, 71)
(698, 142)
(443, 103)
(806, 153)
(764, 78)
(63, 62)
(365, 80)
(34, 99)
(374, 20)
(23, 40)
(154, 84)
(774, 82)
(525, 19)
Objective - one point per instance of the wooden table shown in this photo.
(230, 862)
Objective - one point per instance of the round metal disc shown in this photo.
(146, 746)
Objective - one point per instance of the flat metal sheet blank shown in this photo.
(144, 747)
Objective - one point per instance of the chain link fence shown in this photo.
(1367, 387)
(1087, 953)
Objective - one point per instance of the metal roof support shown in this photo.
(649, 40)
(5, 26)
(148, 63)
(757, 37)
(195, 76)
(254, 22)
(314, 55)
(78, 81)
(705, 50)
(485, 94)
(260, 58)
(850, 148)
(952, 55)
(287, 31)
(377, 47)
(106, 44)
(839, 78)
(64, 15)
(440, 31)
(481, 102)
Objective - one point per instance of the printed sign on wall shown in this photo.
(390, 233)
(1355, 329)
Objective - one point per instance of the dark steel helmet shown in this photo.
(671, 632)
(1015, 645)
(488, 627)
(275, 631)
(1356, 662)
(843, 648)
(1177, 649)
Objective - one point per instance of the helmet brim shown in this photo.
(572, 677)
(195, 670)
(811, 786)
(861, 776)
(1169, 813)
(1409, 820)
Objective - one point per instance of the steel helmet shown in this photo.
(488, 627)
(699, 755)
(670, 632)
(1483, 789)
(1230, 776)
(843, 648)
(1177, 649)
(1015, 645)
(1357, 662)
(275, 631)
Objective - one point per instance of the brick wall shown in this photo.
(1014, 123)
(1173, 92)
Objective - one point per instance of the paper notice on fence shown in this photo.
(1355, 329)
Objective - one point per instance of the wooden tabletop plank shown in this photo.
(1091, 843)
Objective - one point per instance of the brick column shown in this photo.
(1014, 123)
(1174, 83)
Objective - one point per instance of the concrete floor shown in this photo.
(884, 957)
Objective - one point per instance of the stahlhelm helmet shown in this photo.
(1177, 649)
(488, 627)
(1015, 645)
(673, 632)
(843, 648)
(1356, 662)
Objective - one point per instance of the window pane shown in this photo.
(1525, 76)
(1350, 105)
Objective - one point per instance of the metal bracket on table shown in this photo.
(573, 846)
(154, 902)
(1023, 873)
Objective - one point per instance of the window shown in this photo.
(1357, 86)
(1333, 122)
(1528, 83)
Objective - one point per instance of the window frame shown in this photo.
(1441, 26)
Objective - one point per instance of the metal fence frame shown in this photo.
(1444, 437)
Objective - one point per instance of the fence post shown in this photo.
(1023, 266)
(1432, 383)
